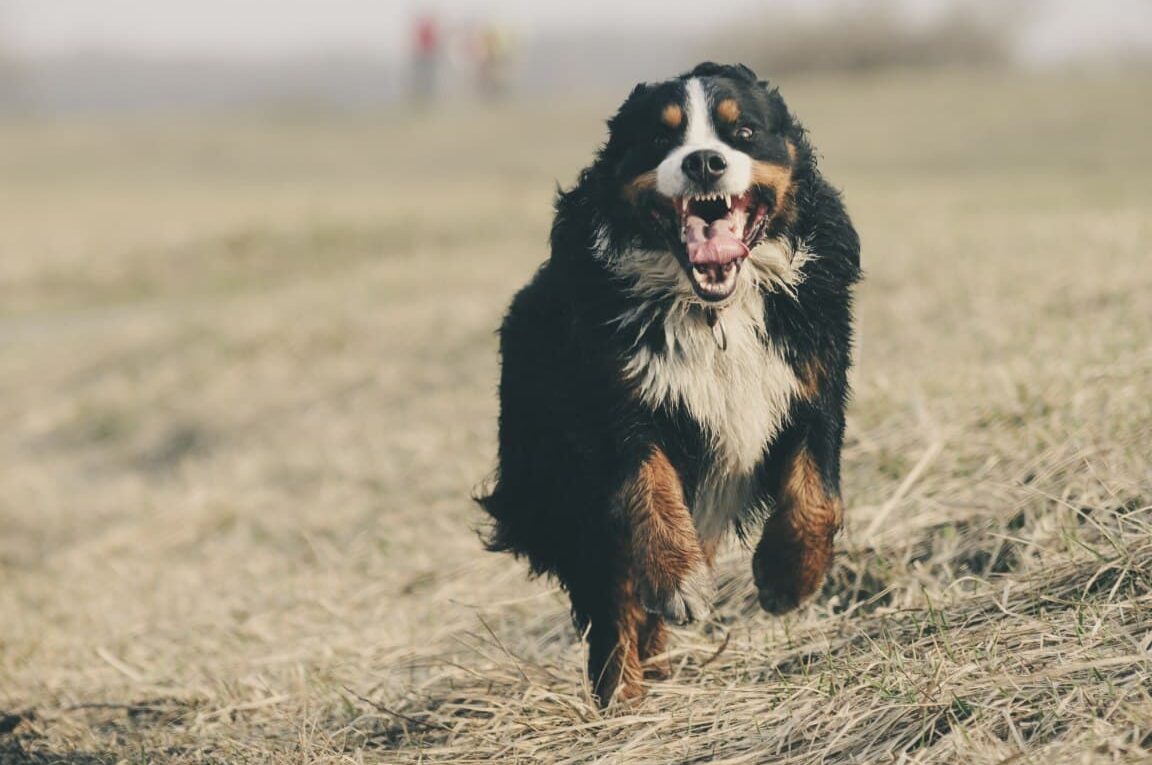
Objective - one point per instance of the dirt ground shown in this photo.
(247, 380)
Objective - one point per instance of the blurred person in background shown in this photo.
(492, 51)
(426, 44)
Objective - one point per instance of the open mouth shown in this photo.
(716, 232)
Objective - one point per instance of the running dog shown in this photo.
(678, 369)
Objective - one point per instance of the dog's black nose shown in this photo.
(704, 166)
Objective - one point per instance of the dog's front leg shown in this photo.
(662, 573)
(672, 575)
(795, 550)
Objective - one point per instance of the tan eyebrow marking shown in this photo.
(672, 115)
(728, 110)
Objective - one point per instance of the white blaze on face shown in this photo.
(699, 134)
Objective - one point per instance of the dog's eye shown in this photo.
(745, 133)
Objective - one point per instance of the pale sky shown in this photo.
(261, 27)
(269, 28)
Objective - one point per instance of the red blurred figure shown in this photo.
(426, 45)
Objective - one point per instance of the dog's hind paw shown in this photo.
(688, 601)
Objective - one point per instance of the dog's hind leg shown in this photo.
(614, 648)
(653, 641)
(795, 550)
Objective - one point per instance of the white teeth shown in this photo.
(711, 196)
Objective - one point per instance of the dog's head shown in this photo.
(701, 166)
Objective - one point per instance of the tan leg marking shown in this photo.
(621, 678)
(795, 550)
(653, 642)
(667, 576)
(669, 566)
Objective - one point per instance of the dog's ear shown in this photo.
(782, 119)
(737, 72)
(618, 122)
(638, 91)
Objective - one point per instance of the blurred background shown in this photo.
(252, 257)
(63, 57)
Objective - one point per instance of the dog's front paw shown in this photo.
(777, 599)
(689, 600)
(788, 570)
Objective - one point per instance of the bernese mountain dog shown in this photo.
(678, 369)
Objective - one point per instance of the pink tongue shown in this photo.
(716, 244)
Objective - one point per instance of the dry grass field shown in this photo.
(247, 381)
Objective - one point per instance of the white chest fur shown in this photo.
(740, 394)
